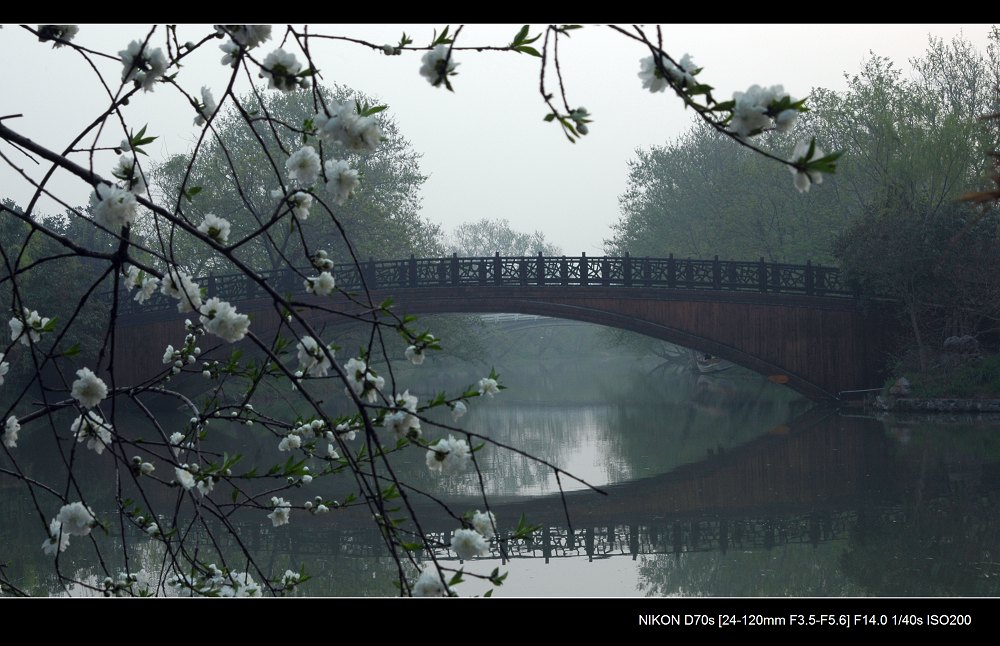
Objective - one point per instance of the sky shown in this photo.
(485, 147)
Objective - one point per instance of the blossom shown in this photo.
(300, 203)
(429, 584)
(362, 380)
(303, 166)
(468, 544)
(231, 53)
(415, 355)
(146, 283)
(653, 79)
(92, 428)
(178, 284)
(484, 522)
(206, 108)
(76, 519)
(488, 386)
(281, 70)
(437, 65)
(221, 319)
(113, 207)
(57, 33)
(785, 120)
(341, 180)
(146, 468)
(752, 110)
(215, 228)
(248, 36)
(458, 409)
(11, 428)
(129, 172)
(321, 261)
(321, 285)
(312, 360)
(290, 442)
(205, 486)
(282, 509)
(30, 321)
(448, 456)
(343, 126)
(141, 65)
(403, 422)
(57, 541)
(89, 389)
(4, 367)
(805, 178)
(184, 477)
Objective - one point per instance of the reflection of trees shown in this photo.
(790, 570)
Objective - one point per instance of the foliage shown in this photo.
(913, 140)
(486, 237)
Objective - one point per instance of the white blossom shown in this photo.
(146, 283)
(4, 367)
(341, 180)
(803, 180)
(448, 456)
(146, 468)
(230, 52)
(76, 519)
(312, 360)
(458, 409)
(178, 284)
(11, 428)
(89, 389)
(290, 442)
(484, 522)
(434, 67)
(184, 477)
(468, 544)
(57, 541)
(215, 228)
(429, 584)
(415, 355)
(248, 36)
(654, 80)
(221, 319)
(113, 207)
(56, 33)
(362, 380)
(142, 65)
(93, 429)
(321, 285)
(207, 107)
(30, 321)
(205, 485)
(128, 171)
(280, 68)
(488, 386)
(343, 126)
(403, 422)
(168, 355)
(282, 509)
(303, 167)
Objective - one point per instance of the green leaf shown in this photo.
(550, 117)
(235, 495)
(456, 579)
(519, 38)
(526, 49)
(191, 192)
(488, 593)
(73, 350)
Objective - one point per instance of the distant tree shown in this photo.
(486, 237)
(234, 175)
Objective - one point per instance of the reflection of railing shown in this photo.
(606, 271)
(673, 537)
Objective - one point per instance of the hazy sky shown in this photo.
(485, 147)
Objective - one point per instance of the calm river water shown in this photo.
(720, 485)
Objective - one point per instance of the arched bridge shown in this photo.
(798, 324)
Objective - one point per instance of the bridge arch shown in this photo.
(809, 333)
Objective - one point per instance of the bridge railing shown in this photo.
(583, 270)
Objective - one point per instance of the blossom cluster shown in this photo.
(29, 324)
(146, 283)
(342, 126)
(448, 456)
(142, 64)
(74, 519)
(653, 78)
(760, 108)
(90, 427)
(363, 380)
(403, 420)
(216, 582)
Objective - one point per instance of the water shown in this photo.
(715, 486)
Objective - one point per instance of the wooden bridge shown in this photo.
(799, 324)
